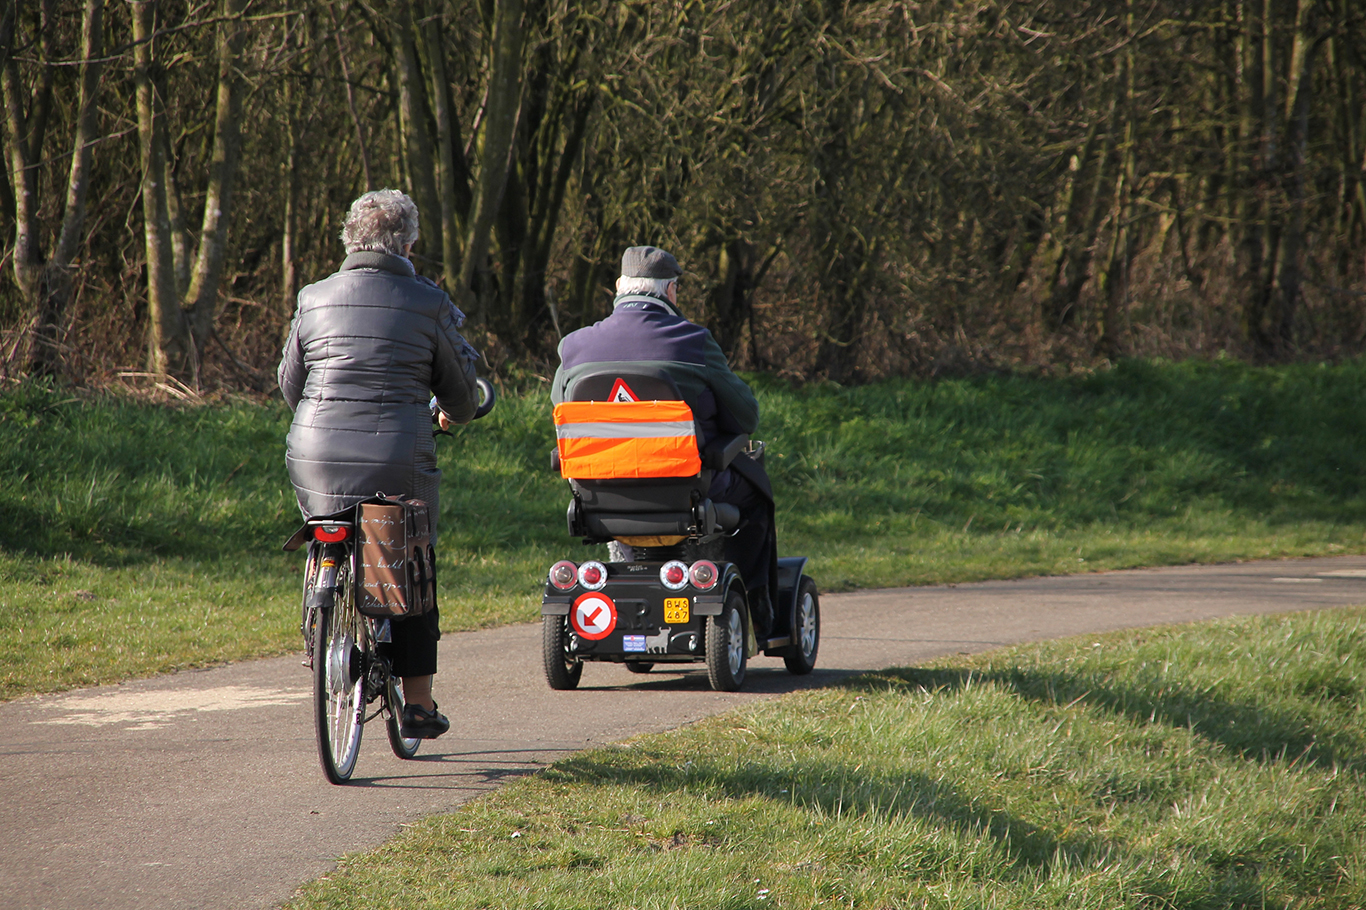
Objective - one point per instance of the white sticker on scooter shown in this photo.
(594, 615)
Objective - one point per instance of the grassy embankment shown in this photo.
(1210, 766)
(135, 539)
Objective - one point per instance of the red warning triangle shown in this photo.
(622, 392)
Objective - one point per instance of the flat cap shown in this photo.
(649, 262)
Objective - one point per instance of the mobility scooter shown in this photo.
(628, 446)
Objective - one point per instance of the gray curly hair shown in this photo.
(382, 221)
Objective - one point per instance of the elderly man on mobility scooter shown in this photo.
(652, 434)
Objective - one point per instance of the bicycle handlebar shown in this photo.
(488, 397)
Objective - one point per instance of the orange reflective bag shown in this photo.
(610, 440)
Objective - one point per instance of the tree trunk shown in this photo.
(1297, 136)
(552, 169)
(1116, 278)
(182, 243)
(22, 163)
(42, 98)
(841, 254)
(1085, 217)
(452, 175)
(45, 357)
(1266, 237)
(289, 274)
(202, 296)
(351, 104)
(413, 117)
(169, 349)
(731, 300)
(495, 158)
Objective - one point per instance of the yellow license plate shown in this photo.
(675, 609)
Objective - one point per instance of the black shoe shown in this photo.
(419, 723)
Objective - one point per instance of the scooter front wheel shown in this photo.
(800, 656)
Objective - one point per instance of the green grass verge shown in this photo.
(1212, 766)
(137, 538)
(1145, 464)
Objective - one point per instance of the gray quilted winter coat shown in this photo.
(367, 349)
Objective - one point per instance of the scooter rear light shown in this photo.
(563, 574)
(331, 533)
(593, 575)
(673, 575)
(703, 574)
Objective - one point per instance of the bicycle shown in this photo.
(350, 672)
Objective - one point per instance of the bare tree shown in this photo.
(169, 349)
(49, 285)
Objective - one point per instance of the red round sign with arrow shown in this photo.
(594, 616)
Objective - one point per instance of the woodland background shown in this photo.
(856, 189)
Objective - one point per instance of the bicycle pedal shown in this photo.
(383, 632)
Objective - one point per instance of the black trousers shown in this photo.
(754, 548)
(413, 649)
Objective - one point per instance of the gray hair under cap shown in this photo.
(649, 262)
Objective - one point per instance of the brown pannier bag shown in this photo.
(395, 564)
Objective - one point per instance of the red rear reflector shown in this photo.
(331, 534)
(593, 575)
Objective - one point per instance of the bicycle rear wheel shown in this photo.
(403, 746)
(339, 680)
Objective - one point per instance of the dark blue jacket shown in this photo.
(645, 330)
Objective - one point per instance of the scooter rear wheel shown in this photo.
(727, 644)
(561, 670)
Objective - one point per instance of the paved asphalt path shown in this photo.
(202, 789)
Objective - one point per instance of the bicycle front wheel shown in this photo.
(339, 681)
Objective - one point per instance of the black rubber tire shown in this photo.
(728, 644)
(305, 619)
(800, 656)
(338, 683)
(560, 670)
(393, 722)
(488, 397)
(639, 666)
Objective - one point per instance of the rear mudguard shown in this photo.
(790, 571)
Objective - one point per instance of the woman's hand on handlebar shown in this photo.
(487, 398)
